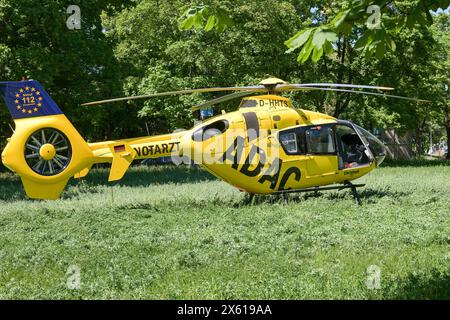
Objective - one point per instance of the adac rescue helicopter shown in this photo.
(267, 146)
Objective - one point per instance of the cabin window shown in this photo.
(289, 142)
(210, 130)
(319, 140)
(293, 141)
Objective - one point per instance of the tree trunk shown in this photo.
(419, 142)
(447, 128)
(342, 47)
(345, 70)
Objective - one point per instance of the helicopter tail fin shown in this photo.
(27, 99)
(45, 149)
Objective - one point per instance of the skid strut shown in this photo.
(347, 185)
(249, 198)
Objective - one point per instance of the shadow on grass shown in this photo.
(11, 188)
(365, 194)
(431, 286)
(145, 176)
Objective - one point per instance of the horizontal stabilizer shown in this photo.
(123, 156)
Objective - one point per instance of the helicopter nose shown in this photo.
(379, 151)
(376, 146)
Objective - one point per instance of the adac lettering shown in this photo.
(271, 175)
(157, 149)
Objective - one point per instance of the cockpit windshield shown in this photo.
(376, 146)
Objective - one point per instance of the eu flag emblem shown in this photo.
(26, 99)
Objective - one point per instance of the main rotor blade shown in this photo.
(227, 97)
(258, 88)
(364, 92)
(294, 86)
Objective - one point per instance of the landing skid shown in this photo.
(347, 185)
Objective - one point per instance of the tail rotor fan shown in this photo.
(48, 152)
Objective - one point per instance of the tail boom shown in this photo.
(46, 150)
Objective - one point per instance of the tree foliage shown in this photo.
(162, 57)
(203, 16)
(372, 25)
(74, 66)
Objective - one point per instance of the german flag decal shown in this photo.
(120, 148)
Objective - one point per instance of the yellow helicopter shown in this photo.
(265, 147)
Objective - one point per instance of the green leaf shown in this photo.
(210, 23)
(339, 20)
(198, 21)
(392, 45)
(319, 39)
(321, 36)
(196, 16)
(298, 40)
(331, 36)
(363, 41)
(346, 28)
(222, 20)
(317, 54)
(187, 24)
(328, 48)
(380, 50)
(305, 52)
(227, 21)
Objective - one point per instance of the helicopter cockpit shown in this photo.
(353, 145)
(350, 147)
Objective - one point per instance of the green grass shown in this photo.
(178, 233)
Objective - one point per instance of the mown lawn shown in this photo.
(168, 232)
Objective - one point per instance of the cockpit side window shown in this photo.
(293, 141)
(351, 149)
(289, 141)
(320, 141)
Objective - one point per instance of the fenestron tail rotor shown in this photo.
(269, 85)
(48, 152)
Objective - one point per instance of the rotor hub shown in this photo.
(47, 152)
